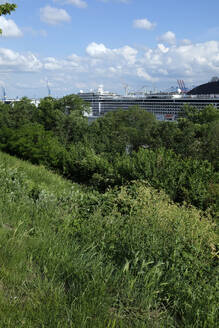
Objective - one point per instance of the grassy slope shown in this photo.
(75, 258)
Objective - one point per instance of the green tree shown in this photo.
(49, 115)
(65, 117)
(75, 124)
(22, 112)
(70, 103)
(211, 144)
(203, 116)
(122, 130)
(165, 135)
(199, 134)
(32, 142)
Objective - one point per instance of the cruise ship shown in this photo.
(165, 106)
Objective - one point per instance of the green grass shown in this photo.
(71, 257)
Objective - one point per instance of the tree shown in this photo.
(122, 130)
(6, 9)
(72, 103)
(22, 112)
(48, 115)
(201, 116)
(211, 144)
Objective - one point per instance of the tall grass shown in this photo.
(71, 257)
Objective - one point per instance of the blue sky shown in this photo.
(80, 44)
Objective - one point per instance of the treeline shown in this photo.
(180, 157)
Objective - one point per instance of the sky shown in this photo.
(74, 45)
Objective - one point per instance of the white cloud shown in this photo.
(168, 37)
(159, 64)
(143, 24)
(71, 63)
(162, 48)
(96, 50)
(126, 53)
(9, 28)
(15, 62)
(143, 74)
(196, 61)
(74, 57)
(112, 66)
(54, 16)
(52, 63)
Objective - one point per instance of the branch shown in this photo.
(7, 8)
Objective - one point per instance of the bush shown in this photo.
(129, 257)
(183, 180)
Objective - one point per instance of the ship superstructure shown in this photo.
(165, 106)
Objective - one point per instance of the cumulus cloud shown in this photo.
(95, 50)
(168, 37)
(9, 28)
(195, 61)
(13, 61)
(54, 16)
(51, 63)
(162, 48)
(161, 64)
(126, 53)
(71, 63)
(143, 24)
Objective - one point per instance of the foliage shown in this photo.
(82, 163)
(204, 116)
(129, 257)
(7, 8)
(183, 180)
(72, 103)
(119, 147)
(194, 135)
(122, 130)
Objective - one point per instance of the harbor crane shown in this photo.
(182, 86)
